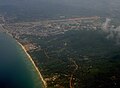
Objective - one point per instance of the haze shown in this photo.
(56, 8)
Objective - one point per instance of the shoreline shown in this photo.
(30, 58)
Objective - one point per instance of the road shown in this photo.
(71, 78)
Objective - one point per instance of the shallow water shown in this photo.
(16, 70)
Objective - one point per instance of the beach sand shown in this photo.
(30, 58)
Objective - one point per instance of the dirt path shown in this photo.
(71, 77)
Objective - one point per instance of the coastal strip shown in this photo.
(30, 58)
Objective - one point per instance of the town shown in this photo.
(53, 27)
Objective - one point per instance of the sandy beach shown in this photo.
(30, 58)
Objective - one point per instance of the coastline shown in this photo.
(30, 58)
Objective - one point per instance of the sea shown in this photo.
(16, 70)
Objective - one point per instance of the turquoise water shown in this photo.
(16, 70)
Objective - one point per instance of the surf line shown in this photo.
(30, 58)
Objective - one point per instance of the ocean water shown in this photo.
(16, 70)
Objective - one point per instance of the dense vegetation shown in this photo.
(97, 58)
